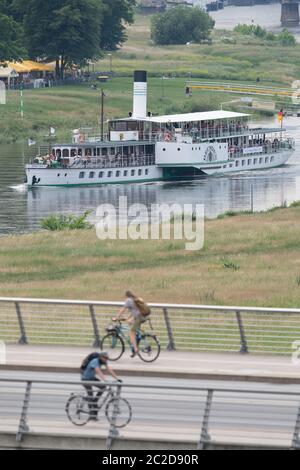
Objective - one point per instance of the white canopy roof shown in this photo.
(191, 117)
(6, 72)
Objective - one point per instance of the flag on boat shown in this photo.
(52, 131)
(31, 142)
(280, 115)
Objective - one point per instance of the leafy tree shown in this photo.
(180, 25)
(67, 31)
(115, 14)
(10, 40)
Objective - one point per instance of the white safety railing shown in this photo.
(179, 327)
(201, 416)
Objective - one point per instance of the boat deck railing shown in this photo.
(265, 148)
(98, 162)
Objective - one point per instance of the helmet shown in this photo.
(104, 355)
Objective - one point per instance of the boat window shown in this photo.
(101, 174)
(66, 153)
(125, 173)
(109, 174)
(267, 160)
(255, 161)
(92, 174)
(118, 174)
(88, 152)
(104, 151)
(80, 152)
(237, 163)
(132, 172)
(260, 160)
(140, 172)
(95, 152)
(146, 172)
(249, 161)
(73, 153)
(98, 152)
(243, 162)
(58, 153)
(81, 174)
(113, 151)
(272, 159)
(120, 126)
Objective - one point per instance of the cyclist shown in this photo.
(134, 319)
(93, 373)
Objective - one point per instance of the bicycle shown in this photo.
(117, 410)
(114, 343)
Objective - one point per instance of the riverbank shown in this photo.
(246, 260)
(229, 57)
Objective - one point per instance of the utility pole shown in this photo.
(102, 115)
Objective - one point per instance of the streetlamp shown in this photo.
(102, 115)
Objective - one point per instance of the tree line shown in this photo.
(65, 31)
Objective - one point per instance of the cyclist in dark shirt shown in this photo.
(93, 373)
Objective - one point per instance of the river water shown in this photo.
(21, 210)
(267, 16)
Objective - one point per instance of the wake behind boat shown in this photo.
(144, 148)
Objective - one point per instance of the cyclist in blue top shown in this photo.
(93, 373)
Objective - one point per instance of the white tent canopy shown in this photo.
(7, 74)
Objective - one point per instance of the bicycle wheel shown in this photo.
(77, 410)
(120, 410)
(113, 345)
(148, 348)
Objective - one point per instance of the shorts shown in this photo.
(135, 325)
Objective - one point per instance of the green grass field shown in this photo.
(265, 247)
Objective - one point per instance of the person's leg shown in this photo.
(132, 335)
(101, 388)
(89, 391)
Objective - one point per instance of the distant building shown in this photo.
(174, 3)
(152, 6)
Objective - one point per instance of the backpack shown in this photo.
(88, 359)
(144, 309)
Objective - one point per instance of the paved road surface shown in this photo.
(170, 364)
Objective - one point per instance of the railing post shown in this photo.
(171, 344)
(296, 437)
(23, 337)
(205, 437)
(97, 341)
(113, 431)
(244, 344)
(23, 426)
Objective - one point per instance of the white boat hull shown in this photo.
(38, 175)
(248, 163)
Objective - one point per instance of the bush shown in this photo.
(285, 38)
(181, 25)
(66, 222)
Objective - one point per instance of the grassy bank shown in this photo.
(67, 108)
(244, 58)
(247, 260)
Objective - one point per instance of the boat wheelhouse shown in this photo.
(144, 148)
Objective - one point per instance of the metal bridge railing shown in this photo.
(196, 415)
(179, 327)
